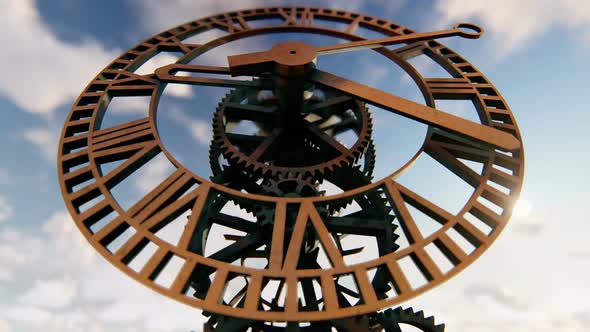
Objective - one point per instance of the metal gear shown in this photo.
(223, 323)
(231, 162)
(86, 145)
(325, 116)
(292, 186)
(391, 319)
(235, 177)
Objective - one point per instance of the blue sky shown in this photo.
(535, 52)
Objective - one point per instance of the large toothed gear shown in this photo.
(223, 323)
(266, 150)
(393, 319)
(290, 184)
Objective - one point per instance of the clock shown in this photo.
(295, 229)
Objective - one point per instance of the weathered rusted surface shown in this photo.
(291, 223)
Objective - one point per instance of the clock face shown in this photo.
(292, 254)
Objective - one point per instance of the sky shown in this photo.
(535, 52)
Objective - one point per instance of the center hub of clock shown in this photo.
(293, 61)
(293, 58)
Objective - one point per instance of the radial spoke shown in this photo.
(255, 113)
(325, 141)
(331, 106)
(234, 222)
(265, 145)
(238, 249)
(341, 126)
(244, 139)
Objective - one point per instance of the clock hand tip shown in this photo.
(469, 30)
(514, 143)
(506, 141)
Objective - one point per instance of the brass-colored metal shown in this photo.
(201, 280)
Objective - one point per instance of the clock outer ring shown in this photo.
(494, 111)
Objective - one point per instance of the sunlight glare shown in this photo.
(522, 208)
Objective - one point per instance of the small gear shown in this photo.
(292, 186)
(317, 150)
(391, 319)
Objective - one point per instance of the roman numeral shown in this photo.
(447, 149)
(231, 24)
(352, 26)
(173, 44)
(278, 237)
(164, 203)
(124, 83)
(305, 18)
(308, 212)
(133, 142)
(456, 88)
(399, 196)
(159, 207)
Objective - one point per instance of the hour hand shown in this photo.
(427, 115)
(285, 59)
(168, 73)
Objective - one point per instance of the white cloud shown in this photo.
(129, 105)
(544, 324)
(502, 296)
(158, 15)
(11, 257)
(6, 210)
(581, 255)
(200, 130)
(5, 326)
(512, 24)
(45, 139)
(529, 227)
(61, 285)
(156, 170)
(26, 313)
(5, 176)
(55, 293)
(41, 72)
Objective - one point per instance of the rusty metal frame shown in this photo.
(84, 145)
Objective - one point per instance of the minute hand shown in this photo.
(418, 112)
(466, 30)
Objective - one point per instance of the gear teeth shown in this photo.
(256, 168)
(398, 315)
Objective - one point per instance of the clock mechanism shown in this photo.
(290, 267)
